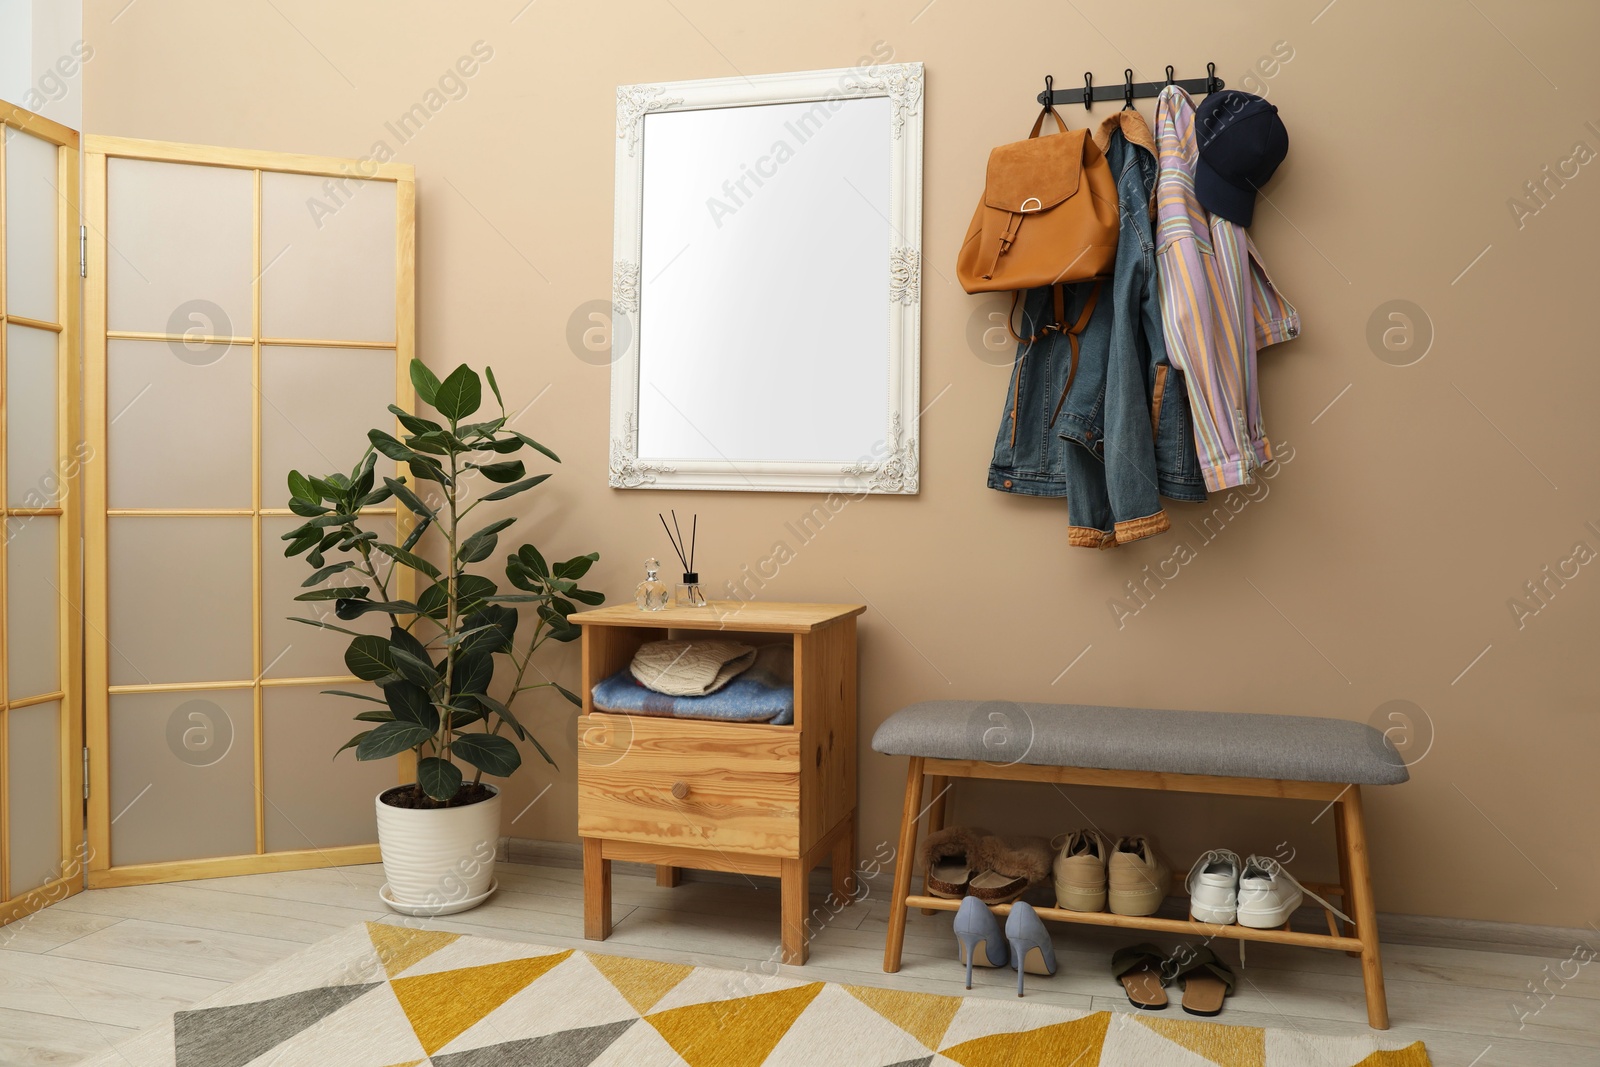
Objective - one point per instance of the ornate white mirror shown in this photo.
(766, 282)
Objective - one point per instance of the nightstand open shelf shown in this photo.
(750, 798)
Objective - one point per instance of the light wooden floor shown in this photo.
(92, 970)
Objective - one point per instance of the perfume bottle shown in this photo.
(688, 594)
(652, 592)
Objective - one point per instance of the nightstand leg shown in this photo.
(846, 882)
(596, 891)
(668, 877)
(796, 903)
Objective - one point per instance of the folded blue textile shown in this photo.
(764, 693)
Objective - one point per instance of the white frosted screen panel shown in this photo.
(33, 793)
(311, 802)
(31, 227)
(317, 405)
(33, 606)
(179, 242)
(179, 424)
(180, 600)
(295, 650)
(182, 776)
(33, 461)
(722, 262)
(332, 258)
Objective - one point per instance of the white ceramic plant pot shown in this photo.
(438, 861)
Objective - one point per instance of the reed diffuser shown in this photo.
(687, 593)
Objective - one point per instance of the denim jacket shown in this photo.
(1121, 437)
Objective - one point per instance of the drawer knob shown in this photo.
(680, 789)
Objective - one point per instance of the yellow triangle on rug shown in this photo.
(439, 1011)
(925, 1016)
(733, 1033)
(1227, 1046)
(641, 982)
(1068, 1042)
(399, 947)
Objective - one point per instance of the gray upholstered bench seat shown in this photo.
(1226, 744)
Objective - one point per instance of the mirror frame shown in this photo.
(893, 466)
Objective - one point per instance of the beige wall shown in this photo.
(1377, 566)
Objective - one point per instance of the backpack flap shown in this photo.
(1026, 178)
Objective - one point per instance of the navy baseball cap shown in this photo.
(1241, 141)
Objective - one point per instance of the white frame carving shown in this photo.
(893, 468)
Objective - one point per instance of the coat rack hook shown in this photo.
(1088, 90)
(1049, 90)
(1211, 77)
(1127, 88)
(1169, 74)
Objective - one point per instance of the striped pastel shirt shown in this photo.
(1218, 307)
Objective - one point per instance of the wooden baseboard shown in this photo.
(1470, 934)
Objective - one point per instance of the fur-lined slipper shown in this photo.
(950, 857)
(1009, 867)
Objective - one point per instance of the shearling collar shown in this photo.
(1133, 127)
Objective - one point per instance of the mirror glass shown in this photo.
(766, 282)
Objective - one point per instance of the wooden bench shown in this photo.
(1231, 754)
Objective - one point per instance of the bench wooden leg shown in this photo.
(1343, 849)
(1361, 907)
(904, 858)
(939, 786)
(796, 903)
(845, 879)
(596, 891)
(667, 877)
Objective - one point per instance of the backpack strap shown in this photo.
(1058, 297)
(1072, 339)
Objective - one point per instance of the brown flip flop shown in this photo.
(1139, 969)
(1206, 981)
(950, 857)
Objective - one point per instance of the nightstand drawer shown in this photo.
(688, 784)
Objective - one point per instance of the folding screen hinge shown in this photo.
(83, 272)
(86, 772)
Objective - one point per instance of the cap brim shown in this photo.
(1221, 197)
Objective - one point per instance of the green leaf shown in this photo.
(416, 534)
(533, 561)
(481, 545)
(405, 639)
(354, 609)
(353, 742)
(569, 694)
(472, 674)
(327, 572)
(415, 562)
(390, 446)
(347, 693)
(412, 422)
(307, 510)
(300, 488)
(577, 566)
(424, 381)
(489, 703)
(410, 703)
(503, 445)
(496, 626)
(368, 658)
(391, 739)
(531, 443)
(488, 372)
(471, 589)
(427, 470)
(338, 592)
(489, 753)
(516, 487)
(377, 496)
(459, 394)
(418, 671)
(323, 625)
(376, 715)
(505, 471)
(587, 596)
(411, 500)
(439, 778)
(301, 539)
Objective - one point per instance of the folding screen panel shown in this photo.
(41, 735)
(247, 314)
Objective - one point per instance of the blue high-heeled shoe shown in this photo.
(978, 937)
(1031, 949)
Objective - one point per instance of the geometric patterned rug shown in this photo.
(392, 996)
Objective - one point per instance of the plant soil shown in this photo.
(412, 796)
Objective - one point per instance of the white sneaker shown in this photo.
(1213, 885)
(1268, 895)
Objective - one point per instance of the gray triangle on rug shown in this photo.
(235, 1034)
(565, 1048)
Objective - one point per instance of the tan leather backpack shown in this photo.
(1048, 215)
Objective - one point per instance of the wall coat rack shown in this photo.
(1128, 91)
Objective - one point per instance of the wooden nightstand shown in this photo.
(750, 798)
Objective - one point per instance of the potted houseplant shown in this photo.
(437, 666)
